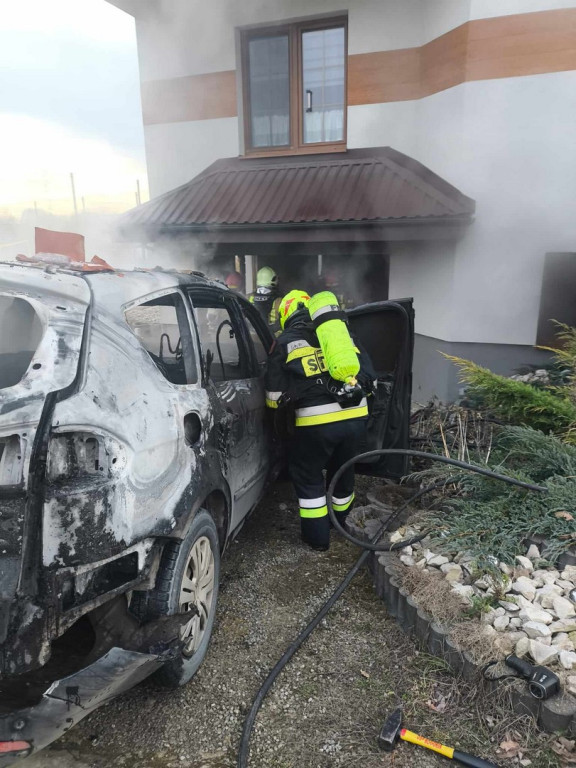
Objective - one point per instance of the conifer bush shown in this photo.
(514, 402)
(493, 520)
(535, 442)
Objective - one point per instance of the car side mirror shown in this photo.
(209, 360)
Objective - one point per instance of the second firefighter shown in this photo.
(329, 418)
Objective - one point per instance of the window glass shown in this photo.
(258, 344)
(219, 339)
(323, 76)
(20, 335)
(269, 79)
(161, 325)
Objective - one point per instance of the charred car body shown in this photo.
(133, 444)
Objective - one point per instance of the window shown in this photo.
(20, 335)
(294, 80)
(224, 355)
(161, 325)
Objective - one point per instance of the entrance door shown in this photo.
(386, 330)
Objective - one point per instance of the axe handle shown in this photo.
(454, 754)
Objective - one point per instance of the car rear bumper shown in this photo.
(68, 700)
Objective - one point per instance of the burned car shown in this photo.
(133, 444)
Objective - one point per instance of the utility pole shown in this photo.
(138, 197)
(74, 194)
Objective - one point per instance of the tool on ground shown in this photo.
(542, 682)
(392, 732)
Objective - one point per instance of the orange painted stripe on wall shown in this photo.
(526, 44)
(197, 97)
(484, 49)
(384, 76)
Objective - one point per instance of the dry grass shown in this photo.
(433, 594)
(468, 636)
(453, 431)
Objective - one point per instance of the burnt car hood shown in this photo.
(69, 700)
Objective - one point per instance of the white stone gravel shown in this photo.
(537, 604)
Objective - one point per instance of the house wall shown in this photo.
(481, 91)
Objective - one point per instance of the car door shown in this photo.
(235, 391)
(269, 446)
(386, 331)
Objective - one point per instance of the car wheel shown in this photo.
(188, 579)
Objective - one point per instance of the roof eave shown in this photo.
(440, 228)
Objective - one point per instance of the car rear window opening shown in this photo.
(20, 334)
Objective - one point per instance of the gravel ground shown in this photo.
(327, 706)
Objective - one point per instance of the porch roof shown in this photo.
(376, 187)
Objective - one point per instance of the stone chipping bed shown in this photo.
(533, 614)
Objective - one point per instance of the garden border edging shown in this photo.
(555, 714)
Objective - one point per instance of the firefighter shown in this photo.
(329, 424)
(267, 297)
(333, 283)
(235, 281)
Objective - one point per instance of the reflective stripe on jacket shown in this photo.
(297, 374)
(329, 413)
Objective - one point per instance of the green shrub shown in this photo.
(518, 403)
(491, 519)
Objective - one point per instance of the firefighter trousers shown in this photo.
(315, 449)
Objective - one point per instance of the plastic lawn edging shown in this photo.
(557, 713)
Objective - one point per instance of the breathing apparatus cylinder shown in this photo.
(339, 352)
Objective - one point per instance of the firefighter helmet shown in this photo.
(291, 303)
(331, 278)
(235, 281)
(266, 278)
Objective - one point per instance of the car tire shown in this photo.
(189, 574)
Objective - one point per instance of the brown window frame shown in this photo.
(294, 30)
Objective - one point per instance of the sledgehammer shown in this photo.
(392, 731)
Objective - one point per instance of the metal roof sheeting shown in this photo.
(360, 185)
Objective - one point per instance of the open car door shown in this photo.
(386, 330)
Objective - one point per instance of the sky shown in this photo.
(69, 103)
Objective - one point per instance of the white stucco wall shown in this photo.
(177, 152)
(384, 125)
(425, 271)
(192, 37)
(483, 9)
(508, 143)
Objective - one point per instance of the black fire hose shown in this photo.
(368, 547)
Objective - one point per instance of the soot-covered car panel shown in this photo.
(134, 441)
(114, 432)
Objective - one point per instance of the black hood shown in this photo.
(298, 319)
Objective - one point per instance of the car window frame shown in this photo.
(188, 337)
(263, 332)
(228, 302)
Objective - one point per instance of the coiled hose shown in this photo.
(367, 547)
